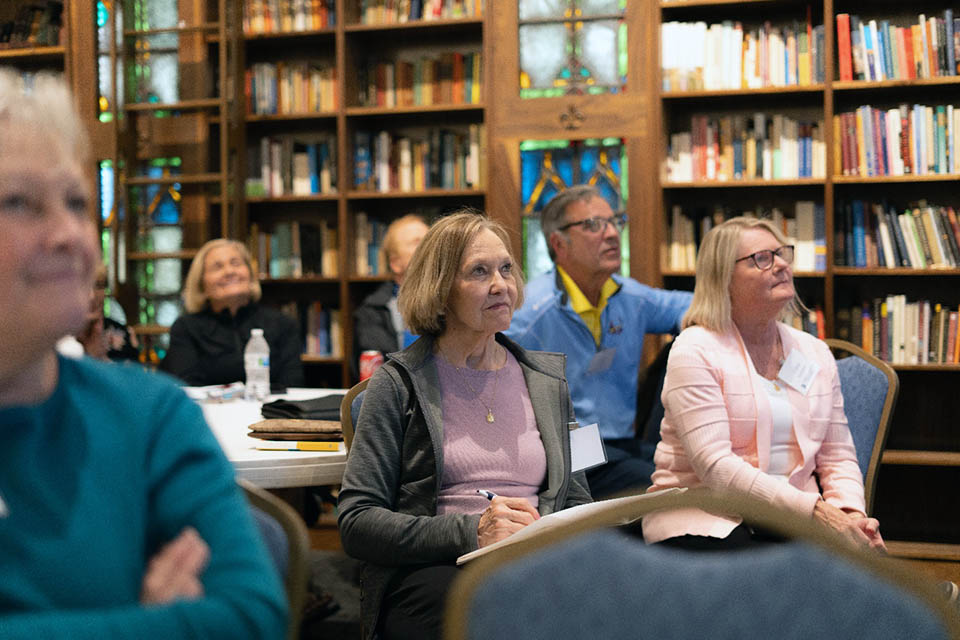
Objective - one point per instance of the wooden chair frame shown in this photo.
(298, 545)
(346, 411)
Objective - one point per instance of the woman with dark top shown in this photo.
(104, 338)
(461, 409)
(221, 297)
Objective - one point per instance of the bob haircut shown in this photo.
(44, 104)
(194, 298)
(716, 261)
(435, 265)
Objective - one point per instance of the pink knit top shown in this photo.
(505, 456)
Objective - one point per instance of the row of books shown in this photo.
(812, 322)
(902, 332)
(725, 56)
(806, 229)
(450, 78)
(440, 159)
(741, 148)
(290, 87)
(287, 16)
(879, 50)
(368, 234)
(324, 334)
(288, 165)
(874, 234)
(294, 249)
(399, 11)
(36, 24)
(917, 139)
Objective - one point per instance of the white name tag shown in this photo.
(798, 372)
(586, 448)
(602, 360)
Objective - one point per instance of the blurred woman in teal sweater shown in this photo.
(119, 515)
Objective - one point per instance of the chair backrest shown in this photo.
(285, 536)
(581, 583)
(350, 411)
(870, 387)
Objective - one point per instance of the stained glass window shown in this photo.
(572, 47)
(153, 76)
(549, 166)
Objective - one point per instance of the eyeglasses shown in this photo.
(764, 259)
(594, 225)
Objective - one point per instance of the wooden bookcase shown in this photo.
(348, 46)
(921, 465)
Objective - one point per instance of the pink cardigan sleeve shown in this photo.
(696, 413)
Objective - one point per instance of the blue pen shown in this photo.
(489, 495)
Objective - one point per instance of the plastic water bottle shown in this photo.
(256, 362)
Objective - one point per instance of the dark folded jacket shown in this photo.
(325, 408)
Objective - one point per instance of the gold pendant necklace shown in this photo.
(496, 381)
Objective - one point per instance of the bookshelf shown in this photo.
(342, 46)
(922, 460)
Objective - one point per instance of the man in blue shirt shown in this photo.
(584, 309)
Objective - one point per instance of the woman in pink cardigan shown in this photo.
(752, 404)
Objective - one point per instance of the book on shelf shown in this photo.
(906, 140)
(450, 78)
(287, 16)
(290, 87)
(294, 249)
(33, 24)
(806, 229)
(368, 241)
(737, 147)
(874, 235)
(878, 49)
(696, 56)
(901, 331)
(291, 165)
(435, 159)
(401, 11)
(317, 333)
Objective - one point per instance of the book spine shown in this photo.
(843, 46)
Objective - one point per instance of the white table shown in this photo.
(230, 421)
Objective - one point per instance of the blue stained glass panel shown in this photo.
(549, 166)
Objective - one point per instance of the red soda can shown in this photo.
(370, 361)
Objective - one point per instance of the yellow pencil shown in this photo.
(308, 445)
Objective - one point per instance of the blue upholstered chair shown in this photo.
(350, 410)
(870, 387)
(285, 536)
(580, 583)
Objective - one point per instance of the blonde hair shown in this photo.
(716, 261)
(425, 291)
(389, 247)
(43, 102)
(194, 297)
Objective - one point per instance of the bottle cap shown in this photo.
(256, 332)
